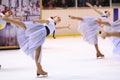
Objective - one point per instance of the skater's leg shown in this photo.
(14, 21)
(98, 53)
(40, 71)
(54, 34)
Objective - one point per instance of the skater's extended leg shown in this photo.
(98, 53)
(40, 71)
(14, 21)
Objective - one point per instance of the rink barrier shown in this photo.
(8, 47)
(65, 35)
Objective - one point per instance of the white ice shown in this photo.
(68, 58)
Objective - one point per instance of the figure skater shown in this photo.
(115, 30)
(31, 36)
(53, 35)
(114, 34)
(88, 27)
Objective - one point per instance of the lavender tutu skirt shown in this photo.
(89, 31)
(31, 38)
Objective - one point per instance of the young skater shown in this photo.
(31, 36)
(88, 27)
(114, 30)
(114, 34)
(53, 35)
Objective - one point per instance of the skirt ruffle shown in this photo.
(89, 32)
(116, 40)
(31, 38)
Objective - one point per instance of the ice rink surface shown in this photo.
(67, 58)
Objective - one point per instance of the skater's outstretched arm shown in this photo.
(103, 22)
(110, 34)
(106, 23)
(94, 8)
(41, 21)
(115, 34)
(76, 18)
(62, 27)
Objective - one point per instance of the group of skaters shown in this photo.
(32, 34)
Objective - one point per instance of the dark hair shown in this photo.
(4, 11)
(53, 17)
(105, 11)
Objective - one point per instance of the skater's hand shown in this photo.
(72, 17)
(98, 22)
(88, 4)
(76, 18)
